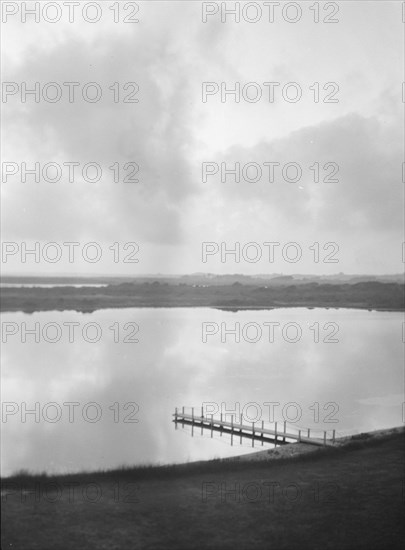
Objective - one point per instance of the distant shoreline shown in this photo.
(368, 295)
(39, 309)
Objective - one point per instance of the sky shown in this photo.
(341, 123)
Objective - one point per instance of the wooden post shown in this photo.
(299, 435)
(221, 426)
(175, 418)
(275, 432)
(285, 425)
(240, 442)
(324, 438)
(333, 437)
(212, 426)
(253, 434)
(183, 410)
(192, 413)
(262, 431)
(309, 432)
(202, 419)
(231, 430)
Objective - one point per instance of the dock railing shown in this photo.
(278, 433)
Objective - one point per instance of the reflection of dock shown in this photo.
(277, 433)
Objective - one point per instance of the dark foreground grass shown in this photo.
(347, 498)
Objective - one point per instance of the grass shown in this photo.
(342, 498)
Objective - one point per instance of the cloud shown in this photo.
(169, 132)
(155, 133)
(366, 154)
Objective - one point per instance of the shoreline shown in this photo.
(296, 503)
(293, 450)
(232, 297)
(286, 453)
(34, 308)
(22, 309)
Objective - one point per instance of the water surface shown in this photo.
(171, 366)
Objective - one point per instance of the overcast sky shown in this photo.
(170, 132)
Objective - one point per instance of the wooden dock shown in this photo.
(278, 433)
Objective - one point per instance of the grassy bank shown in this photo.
(350, 497)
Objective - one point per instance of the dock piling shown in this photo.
(232, 431)
(269, 434)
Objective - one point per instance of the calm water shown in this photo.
(171, 366)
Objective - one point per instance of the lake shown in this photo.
(103, 386)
